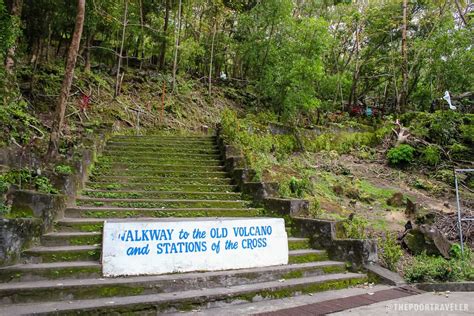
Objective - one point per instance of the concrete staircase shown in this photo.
(149, 177)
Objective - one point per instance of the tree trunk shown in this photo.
(355, 76)
(212, 57)
(176, 46)
(68, 77)
(87, 55)
(17, 6)
(142, 35)
(460, 12)
(165, 31)
(404, 90)
(120, 57)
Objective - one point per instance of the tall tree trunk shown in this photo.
(87, 54)
(176, 46)
(460, 12)
(404, 89)
(212, 56)
(142, 35)
(118, 79)
(355, 76)
(16, 8)
(68, 77)
(165, 31)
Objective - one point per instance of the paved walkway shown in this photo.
(346, 303)
(427, 304)
(360, 301)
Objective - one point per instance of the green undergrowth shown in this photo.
(426, 268)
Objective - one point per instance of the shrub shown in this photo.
(431, 155)
(356, 228)
(298, 187)
(390, 250)
(63, 170)
(427, 268)
(401, 155)
(42, 184)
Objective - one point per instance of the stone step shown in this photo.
(167, 136)
(298, 243)
(71, 239)
(156, 167)
(160, 203)
(184, 300)
(160, 154)
(31, 272)
(163, 160)
(162, 173)
(178, 195)
(113, 186)
(71, 289)
(93, 238)
(159, 138)
(307, 255)
(132, 212)
(164, 147)
(164, 144)
(42, 254)
(160, 180)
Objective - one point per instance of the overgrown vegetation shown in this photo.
(425, 268)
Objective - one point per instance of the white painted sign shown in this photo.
(172, 245)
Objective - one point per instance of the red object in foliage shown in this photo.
(356, 110)
(85, 101)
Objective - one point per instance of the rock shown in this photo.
(440, 241)
(353, 193)
(411, 209)
(446, 204)
(427, 238)
(415, 241)
(425, 218)
(338, 190)
(396, 200)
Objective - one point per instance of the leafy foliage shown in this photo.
(389, 250)
(356, 228)
(431, 155)
(427, 268)
(401, 155)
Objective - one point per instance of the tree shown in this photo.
(176, 45)
(15, 12)
(67, 81)
(118, 79)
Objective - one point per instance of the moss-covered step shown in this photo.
(155, 154)
(31, 272)
(121, 212)
(162, 160)
(63, 253)
(165, 147)
(298, 243)
(148, 139)
(93, 288)
(157, 167)
(163, 173)
(71, 239)
(160, 195)
(307, 255)
(114, 186)
(160, 203)
(192, 299)
(160, 180)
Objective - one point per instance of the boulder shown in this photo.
(411, 209)
(338, 190)
(396, 200)
(427, 238)
(440, 241)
